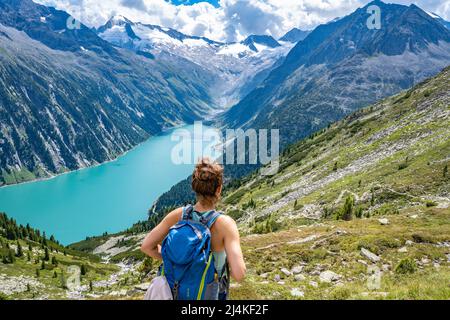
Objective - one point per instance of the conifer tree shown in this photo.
(46, 254)
(83, 270)
(346, 213)
(19, 250)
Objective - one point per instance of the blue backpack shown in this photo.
(188, 263)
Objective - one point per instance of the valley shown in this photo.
(360, 208)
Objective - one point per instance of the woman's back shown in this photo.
(224, 242)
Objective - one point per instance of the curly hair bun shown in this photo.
(207, 178)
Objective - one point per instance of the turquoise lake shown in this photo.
(106, 198)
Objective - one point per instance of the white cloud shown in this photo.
(233, 20)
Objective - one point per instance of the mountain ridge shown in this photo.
(339, 53)
(48, 127)
(238, 67)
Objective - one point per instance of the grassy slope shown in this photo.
(337, 248)
(394, 152)
(391, 158)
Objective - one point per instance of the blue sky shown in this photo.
(227, 20)
(190, 2)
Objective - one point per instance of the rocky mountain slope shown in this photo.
(237, 68)
(69, 99)
(440, 19)
(295, 35)
(343, 66)
(339, 67)
(360, 210)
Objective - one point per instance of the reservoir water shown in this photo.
(106, 198)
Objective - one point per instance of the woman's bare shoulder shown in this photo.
(226, 222)
(174, 216)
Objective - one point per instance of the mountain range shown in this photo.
(343, 66)
(237, 68)
(69, 99)
(76, 97)
(338, 68)
(366, 193)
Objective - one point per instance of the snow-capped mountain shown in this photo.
(69, 99)
(238, 67)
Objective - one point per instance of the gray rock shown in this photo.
(299, 277)
(369, 255)
(277, 278)
(362, 262)
(329, 276)
(264, 275)
(383, 221)
(403, 250)
(313, 284)
(297, 269)
(409, 243)
(142, 287)
(286, 272)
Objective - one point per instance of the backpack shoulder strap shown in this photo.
(187, 212)
(209, 219)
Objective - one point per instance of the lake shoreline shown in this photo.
(164, 131)
(110, 196)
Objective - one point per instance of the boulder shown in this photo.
(370, 255)
(142, 287)
(403, 250)
(297, 269)
(329, 276)
(313, 284)
(383, 221)
(286, 272)
(277, 278)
